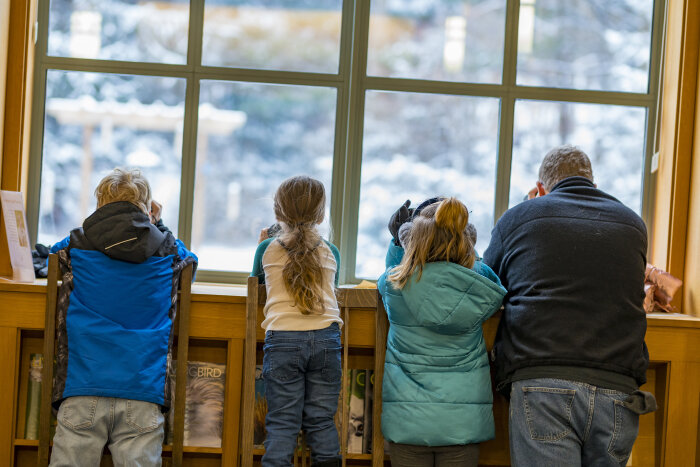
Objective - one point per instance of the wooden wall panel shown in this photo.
(15, 109)
(8, 377)
(669, 230)
(691, 291)
(683, 408)
(15, 93)
(4, 36)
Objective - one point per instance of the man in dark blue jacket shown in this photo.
(570, 347)
(116, 308)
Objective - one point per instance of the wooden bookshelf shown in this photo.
(26, 442)
(668, 437)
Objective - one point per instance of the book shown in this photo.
(33, 410)
(260, 409)
(369, 402)
(204, 404)
(31, 420)
(356, 410)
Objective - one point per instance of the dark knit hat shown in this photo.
(427, 203)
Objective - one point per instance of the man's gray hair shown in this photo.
(563, 162)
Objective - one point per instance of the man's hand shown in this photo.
(532, 193)
(402, 215)
(263, 236)
(156, 209)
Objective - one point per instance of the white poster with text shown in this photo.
(17, 236)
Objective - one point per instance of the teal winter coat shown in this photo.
(437, 384)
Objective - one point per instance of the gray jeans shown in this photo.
(409, 455)
(133, 429)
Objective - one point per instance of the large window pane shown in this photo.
(95, 122)
(421, 145)
(585, 44)
(612, 136)
(133, 30)
(251, 137)
(453, 41)
(273, 34)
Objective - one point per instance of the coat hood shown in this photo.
(451, 299)
(122, 231)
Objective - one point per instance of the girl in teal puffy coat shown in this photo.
(437, 399)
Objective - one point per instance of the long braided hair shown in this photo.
(299, 206)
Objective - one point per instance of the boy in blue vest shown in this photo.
(115, 315)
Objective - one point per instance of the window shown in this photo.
(218, 101)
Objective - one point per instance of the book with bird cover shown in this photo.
(204, 404)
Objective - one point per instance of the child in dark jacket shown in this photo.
(116, 308)
(436, 399)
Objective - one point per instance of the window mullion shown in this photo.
(91, 65)
(507, 113)
(654, 110)
(341, 125)
(189, 135)
(353, 148)
(37, 120)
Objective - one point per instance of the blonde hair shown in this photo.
(124, 185)
(439, 233)
(299, 206)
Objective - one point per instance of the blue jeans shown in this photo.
(302, 376)
(556, 422)
(134, 430)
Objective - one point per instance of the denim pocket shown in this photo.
(281, 362)
(548, 412)
(332, 368)
(78, 412)
(625, 433)
(143, 416)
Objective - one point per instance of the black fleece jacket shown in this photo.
(573, 263)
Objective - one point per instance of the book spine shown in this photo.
(369, 402)
(356, 411)
(260, 409)
(31, 425)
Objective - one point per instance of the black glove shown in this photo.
(427, 203)
(402, 215)
(40, 258)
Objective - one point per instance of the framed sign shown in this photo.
(17, 236)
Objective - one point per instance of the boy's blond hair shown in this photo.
(124, 185)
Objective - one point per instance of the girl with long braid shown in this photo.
(301, 363)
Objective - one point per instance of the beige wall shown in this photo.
(4, 32)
